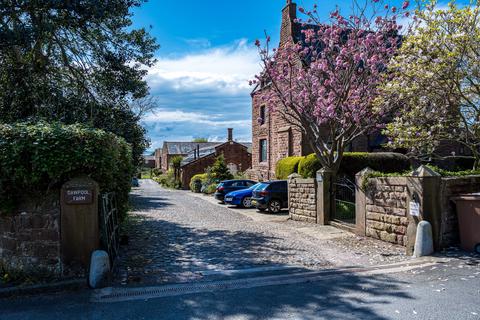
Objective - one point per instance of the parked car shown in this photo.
(241, 198)
(271, 195)
(228, 186)
(135, 183)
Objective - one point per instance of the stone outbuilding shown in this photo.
(238, 158)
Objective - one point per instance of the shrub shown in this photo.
(210, 188)
(309, 166)
(168, 180)
(197, 181)
(287, 166)
(219, 171)
(35, 157)
(354, 162)
(157, 172)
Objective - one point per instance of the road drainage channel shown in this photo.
(114, 294)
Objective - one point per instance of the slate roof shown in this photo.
(208, 150)
(185, 147)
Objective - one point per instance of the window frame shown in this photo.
(263, 149)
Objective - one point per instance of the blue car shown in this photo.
(241, 198)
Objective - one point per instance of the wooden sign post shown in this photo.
(80, 231)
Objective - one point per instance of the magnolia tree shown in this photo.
(436, 82)
(325, 84)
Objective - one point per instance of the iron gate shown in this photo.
(109, 225)
(344, 199)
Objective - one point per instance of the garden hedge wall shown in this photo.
(286, 167)
(354, 162)
(35, 157)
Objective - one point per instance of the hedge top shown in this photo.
(352, 163)
(36, 157)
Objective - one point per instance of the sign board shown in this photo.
(414, 209)
(78, 196)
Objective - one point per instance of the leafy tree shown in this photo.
(325, 83)
(74, 61)
(219, 171)
(176, 164)
(435, 83)
(200, 140)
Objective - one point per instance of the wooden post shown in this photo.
(80, 232)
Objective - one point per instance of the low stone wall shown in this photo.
(30, 236)
(302, 199)
(386, 209)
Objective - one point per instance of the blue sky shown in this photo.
(205, 61)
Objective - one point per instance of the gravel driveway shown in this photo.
(175, 236)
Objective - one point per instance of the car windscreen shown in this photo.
(255, 186)
(262, 186)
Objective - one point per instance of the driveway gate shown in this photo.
(344, 200)
(109, 226)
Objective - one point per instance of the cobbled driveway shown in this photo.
(177, 237)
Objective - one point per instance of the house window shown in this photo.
(290, 143)
(263, 150)
(261, 119)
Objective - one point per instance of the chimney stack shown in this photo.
(230, 134)
(288, 26)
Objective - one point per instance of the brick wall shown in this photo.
(386, 209)
(302, 199)
(283, 140)
(30, 237)
(233, 152)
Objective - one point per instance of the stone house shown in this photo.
(149, 161)
(237, 156)
(275, 138)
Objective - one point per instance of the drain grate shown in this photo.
(145, 293)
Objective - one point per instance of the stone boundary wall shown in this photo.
(30, 237)
(302, 199)
(386, 209)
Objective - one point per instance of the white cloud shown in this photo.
(202, 94)
(225, 69)
(176, 116)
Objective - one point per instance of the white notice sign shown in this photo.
(414, 208)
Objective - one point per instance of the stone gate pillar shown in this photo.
(423, 204)
(324, 196)
(361, 202)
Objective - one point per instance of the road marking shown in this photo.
(110, 295)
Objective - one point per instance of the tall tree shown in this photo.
(435, 82)
(325, 83)
(73, 61)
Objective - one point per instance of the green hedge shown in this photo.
(197, 181)
(35, 157)
(286, 167)
(354, 162)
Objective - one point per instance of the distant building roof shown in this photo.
(185, 147)
(208, 150)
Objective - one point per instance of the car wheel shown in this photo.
(274, 206)
(247, 202)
